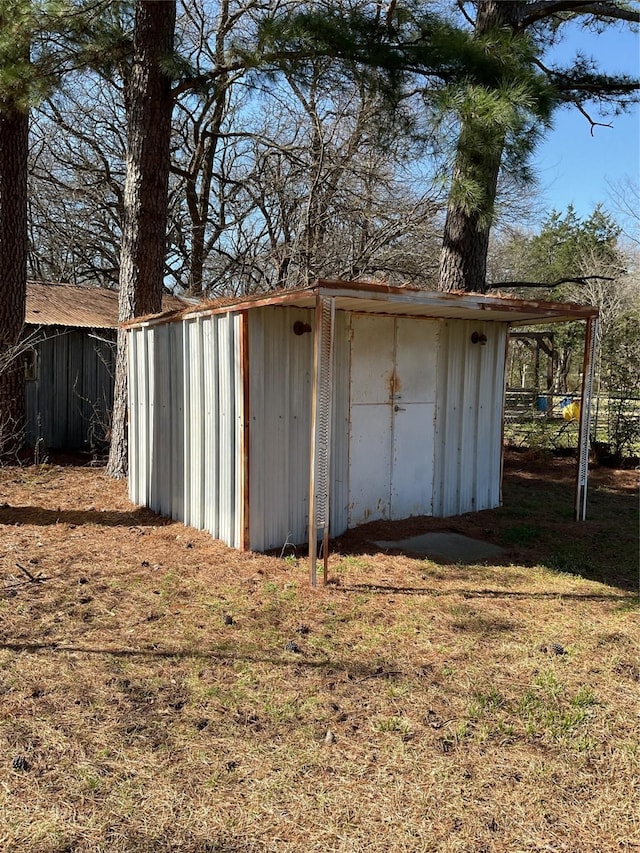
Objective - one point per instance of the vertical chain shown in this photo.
(323, 435)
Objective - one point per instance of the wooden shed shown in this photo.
(69, 353)
(279, 417)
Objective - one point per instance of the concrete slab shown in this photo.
(451, 546)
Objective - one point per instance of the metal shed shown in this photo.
(69, 353)
(280, 417)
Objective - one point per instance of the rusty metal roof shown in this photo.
(376, 298)
(85, 307)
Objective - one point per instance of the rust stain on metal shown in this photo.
(395, 384)
(79, 307)
(386, 299)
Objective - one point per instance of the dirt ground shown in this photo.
(162, 693)
(538, 496)
(73, 493)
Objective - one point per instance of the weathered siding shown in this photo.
(69, 400)
(141, 393)
(469, 418)
(281, 383)
(186, 420)
(281, 373)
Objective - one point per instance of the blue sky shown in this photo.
(574, 166)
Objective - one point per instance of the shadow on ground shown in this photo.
(44, 517)
(534, 527)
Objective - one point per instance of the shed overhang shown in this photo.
(373, 298)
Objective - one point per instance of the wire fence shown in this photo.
(541, 420)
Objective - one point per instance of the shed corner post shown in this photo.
(319, 462)
(580, 513)
(128, 345)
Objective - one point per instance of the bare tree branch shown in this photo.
(538, 11)
(583, 280)
(591, 121)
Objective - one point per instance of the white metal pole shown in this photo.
(585, 418)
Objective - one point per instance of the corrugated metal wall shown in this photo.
(281, 380)
(141, 437)
(68, 403)
(469, 418)
(186, 420)
(281, 374)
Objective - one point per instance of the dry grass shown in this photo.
(136, 716)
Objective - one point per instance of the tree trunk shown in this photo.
(14, 133)
(463, 258)
(149, 106)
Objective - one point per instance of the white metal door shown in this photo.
(372, 349)
(413, 429)
(391, 441)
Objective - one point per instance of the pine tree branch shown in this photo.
(602, 86)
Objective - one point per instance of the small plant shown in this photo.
(463, 730)
(541, 439)
(506, 730)
(492, 700)
(288, 549)
(393, 724)
(584, 698)
(352, 563)
(547, 710)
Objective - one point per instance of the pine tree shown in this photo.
(32, 63)
(484, 133)
(486, 72)
(149, 104)
(16, 24)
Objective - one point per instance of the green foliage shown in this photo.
(566, 244)
(413, 40)
(489, 82)
(570, 247)
(499, 124)
(501, 118)
(17, 23)
(488, 85)
(104, 40)
(621, 353)
(39, 41)
(621, 376)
